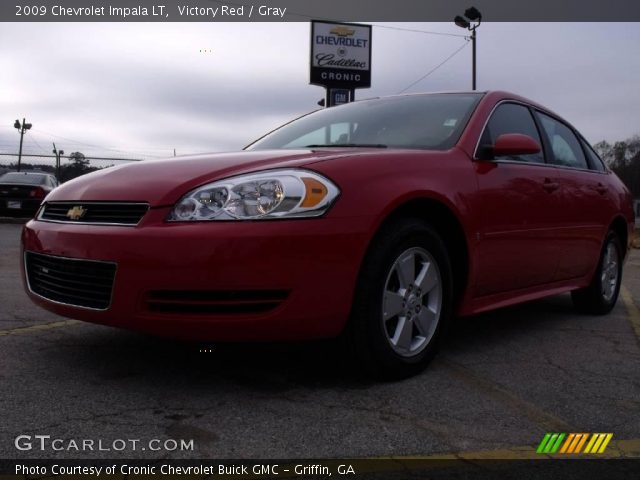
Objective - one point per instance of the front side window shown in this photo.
(565, 146)
(432, 121)
(510, 118)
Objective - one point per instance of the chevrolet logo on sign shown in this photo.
(76, 213)
(343, 31)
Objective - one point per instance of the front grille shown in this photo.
(106, 213)
(82, 283)
(214, 301)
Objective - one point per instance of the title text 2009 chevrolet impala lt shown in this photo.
(377, 220)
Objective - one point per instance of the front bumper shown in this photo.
(316, 261)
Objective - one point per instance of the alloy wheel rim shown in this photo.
(610, 272)
(412, 302)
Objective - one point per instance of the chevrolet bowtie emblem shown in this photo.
(343, 31)
(76, 213)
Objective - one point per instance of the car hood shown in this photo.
(163, 182)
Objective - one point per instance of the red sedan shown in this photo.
(377, 220)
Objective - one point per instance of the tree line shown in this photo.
(78, 165)
(623, 158)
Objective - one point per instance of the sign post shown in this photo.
(340, 59)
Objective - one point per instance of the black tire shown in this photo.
(598, 298)
(368, 335)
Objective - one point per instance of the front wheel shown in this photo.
(601, 295)
(402, 301)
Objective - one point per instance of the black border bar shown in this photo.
(332, 10)
(383, 468)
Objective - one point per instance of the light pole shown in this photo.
(58, 154)
(471, 14)
(23, 128)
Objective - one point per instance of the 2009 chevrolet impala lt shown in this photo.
(377, 220)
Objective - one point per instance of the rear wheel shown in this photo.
(601, 295)
(402, 300)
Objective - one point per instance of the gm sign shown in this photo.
(340, 55)
(339, 96)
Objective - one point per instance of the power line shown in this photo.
(88, 144)
(435, 68)
(32, 138)
(164, 152)
(419, 31)
(315, 17)
(89, 157)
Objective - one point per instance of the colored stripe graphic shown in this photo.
(596, 445)
(582, 442)
(553, 443)
(568, 443)
(606, 442)
(574, 443)
(556, 445)
(543, 443)
(598, 442)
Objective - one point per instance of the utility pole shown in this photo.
(23, 128)
(57, 153)
(473, 46)
(471, 15)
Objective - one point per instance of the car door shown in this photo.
(585, 200)
(519, 201)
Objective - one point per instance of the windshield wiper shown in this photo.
(338, 145)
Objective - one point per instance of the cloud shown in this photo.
(127, 89)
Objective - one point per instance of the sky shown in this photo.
(141, 90)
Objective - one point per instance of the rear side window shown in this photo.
(24, 178)
(565, 146)
(510, 118)
(594, 160)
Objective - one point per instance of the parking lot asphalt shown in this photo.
(502, 380)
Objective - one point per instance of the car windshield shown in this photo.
(23, 178)
(429, 121)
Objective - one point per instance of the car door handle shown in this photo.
(550, 186)
(601, 189)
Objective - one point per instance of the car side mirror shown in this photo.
(508, 144)
(512, 144)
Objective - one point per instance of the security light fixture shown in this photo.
(22, 128)
(473, 14)
(461, 22)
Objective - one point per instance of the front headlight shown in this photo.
(265, 195)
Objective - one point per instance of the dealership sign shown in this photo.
(340, 55)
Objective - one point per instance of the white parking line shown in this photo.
(38, 328)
